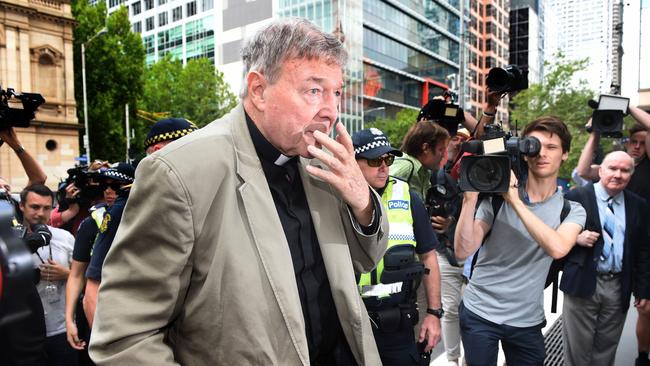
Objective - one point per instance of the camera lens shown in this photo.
(485, 174)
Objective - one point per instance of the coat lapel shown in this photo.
(267, 232)
(591, 206)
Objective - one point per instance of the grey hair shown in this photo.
(285, 39)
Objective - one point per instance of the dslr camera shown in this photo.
(83, 179)
(509, 79)
(496, 154)
(446, 114)
(13, 114)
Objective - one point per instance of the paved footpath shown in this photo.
(625, 355)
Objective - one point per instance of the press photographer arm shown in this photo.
(488, 116)
(469, 232)
(58, 217)
(556, 243)
(34, 171)
(585, 168)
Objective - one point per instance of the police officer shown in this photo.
(118, 178)
(165, 131)
(389, 292)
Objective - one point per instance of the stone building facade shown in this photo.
(36, 55)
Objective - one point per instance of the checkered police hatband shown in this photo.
(167, 136)
(370, 146)
(111, 173)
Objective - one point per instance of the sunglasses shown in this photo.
(376, 162)
(115, 186)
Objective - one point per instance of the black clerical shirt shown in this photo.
(325, 337)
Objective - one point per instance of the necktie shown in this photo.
(608, 229)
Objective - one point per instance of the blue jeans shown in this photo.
(521, 346)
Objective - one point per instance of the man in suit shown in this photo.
(239, 242)
(609, 263)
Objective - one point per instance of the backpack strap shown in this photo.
(408, 180)
(558, 264)
(497, 202)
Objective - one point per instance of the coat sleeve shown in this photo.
(146, 272)
(366, 250)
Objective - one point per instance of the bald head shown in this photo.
(615, 172)
(619, 156)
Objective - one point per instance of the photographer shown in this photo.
(119, 179)
(75, 201)
(424, 147)
(525, 235)
(53, 263)
(34, 171)
(408, 226)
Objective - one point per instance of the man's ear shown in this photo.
(256, 86)
(425, 146)
(565, 156)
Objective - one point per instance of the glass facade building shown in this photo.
(186, 30)
(402, 52)
(410, 49)
(644, 49)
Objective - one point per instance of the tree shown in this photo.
(396, 128)
(196, 91)
(114, 68)
(560, 96)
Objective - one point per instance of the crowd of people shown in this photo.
(260, 239)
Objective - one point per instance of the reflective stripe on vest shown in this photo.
(98, 216)
(397, 202)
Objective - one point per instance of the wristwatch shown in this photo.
(436, 312)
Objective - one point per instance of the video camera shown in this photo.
(16, 267)
(447, 115)
(82, 179)
(497, 153)
(607, 117)
(18, 117)
(508, 79)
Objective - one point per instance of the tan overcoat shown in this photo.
(200, 272)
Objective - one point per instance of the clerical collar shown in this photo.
(265, 150)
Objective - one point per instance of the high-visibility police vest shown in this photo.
(98, 216)
(397, 202)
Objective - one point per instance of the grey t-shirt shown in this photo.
(507, 285)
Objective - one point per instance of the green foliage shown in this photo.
(396, 128)
(196, 92)
(114, 68)
(558, 96)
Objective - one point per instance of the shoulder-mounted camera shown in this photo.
(495, 155)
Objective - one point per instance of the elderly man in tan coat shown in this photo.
(239, 242)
